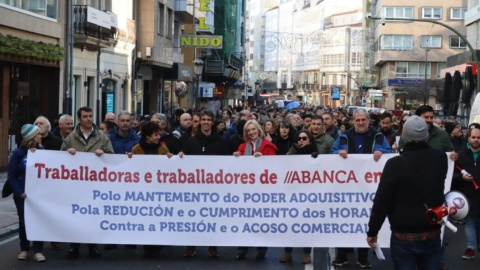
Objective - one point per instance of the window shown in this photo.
(457, 13)
(333, 60)
(315, 78)
(46, 8)
(399, 12)
(411, 70)
(356, 59)
(169, 23)
(457, 43)
(397, 42)
(432, 13)
(431, 42)
(356, 38)
(440, 66)
(161, 19)
(305, 79)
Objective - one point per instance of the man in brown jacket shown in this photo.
(86, 137)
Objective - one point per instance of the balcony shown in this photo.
(184, 10)
(92, 34)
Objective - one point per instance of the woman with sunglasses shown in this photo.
(305, 146)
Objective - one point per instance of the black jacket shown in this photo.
(200, 144)
(466, 162)
(283, 145)
(459, 143)
(171, 142)
(306, 150)
(233, 143)
(52, 142)
(410, 182)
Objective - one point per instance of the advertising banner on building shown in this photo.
(294, 201)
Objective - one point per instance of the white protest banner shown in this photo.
(293, 201)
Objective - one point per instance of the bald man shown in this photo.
(110, 117)
(184, 130)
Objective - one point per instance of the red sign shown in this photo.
(218, 91)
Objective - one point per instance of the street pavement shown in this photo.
(171, 257)
(8, 212)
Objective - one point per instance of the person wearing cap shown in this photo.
(456, 136)
(464, 182)
(32, 139)
(437, 137)
(411, 183)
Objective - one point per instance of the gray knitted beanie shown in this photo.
(415, 130)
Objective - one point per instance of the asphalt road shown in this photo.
(172, 258)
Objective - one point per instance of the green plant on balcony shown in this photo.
(19, 47)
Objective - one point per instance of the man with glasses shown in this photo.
(360, 139)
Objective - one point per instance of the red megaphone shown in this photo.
(435, 215)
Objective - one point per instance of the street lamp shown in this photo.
(426, 92)
(198, 70)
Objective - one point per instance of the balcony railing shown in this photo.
(89, 35)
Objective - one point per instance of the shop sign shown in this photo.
(218, 91)
(201, 41)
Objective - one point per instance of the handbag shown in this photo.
(6, 190)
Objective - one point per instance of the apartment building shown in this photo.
(306, 51)
(100, 74)
(410, 55)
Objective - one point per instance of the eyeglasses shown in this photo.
(302, 138)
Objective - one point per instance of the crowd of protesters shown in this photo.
(305, 130)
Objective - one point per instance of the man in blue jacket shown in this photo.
(360, 139)
(123, 137)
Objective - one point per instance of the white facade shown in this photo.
(303, 39)
(472, 21)
(102, 78)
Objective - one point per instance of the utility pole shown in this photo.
(425, 93)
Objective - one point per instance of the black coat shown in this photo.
(200, 144)
(283, 145)
(52, 142)
(233, 143)
(466, 162)
(171, 142)
(410, 182)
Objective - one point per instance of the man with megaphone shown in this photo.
(466, 179)
(410, 185)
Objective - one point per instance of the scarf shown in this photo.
(248, 148)
(149, 149)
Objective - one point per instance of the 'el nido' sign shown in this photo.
(201, 41)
